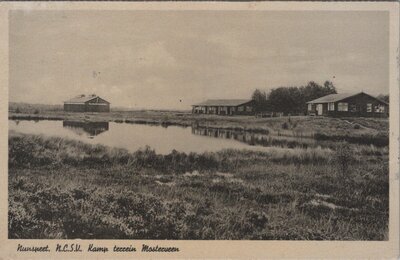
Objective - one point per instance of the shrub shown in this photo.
(285, 125)
(357, 126)
(36, 112)
(17, 110)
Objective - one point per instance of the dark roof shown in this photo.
(223, 102)
(338, 97)
(83, 99)
(333, 98)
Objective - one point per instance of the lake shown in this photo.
(135, 136)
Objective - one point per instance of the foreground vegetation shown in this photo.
(60, 188)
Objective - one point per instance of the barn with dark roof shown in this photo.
(87, 103)
(225, 107)
(348, 104)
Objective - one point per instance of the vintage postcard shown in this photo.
(199, 130)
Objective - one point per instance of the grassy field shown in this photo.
(60, 188)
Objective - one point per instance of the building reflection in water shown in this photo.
(252, 138)
(89, 129)
(242, 136)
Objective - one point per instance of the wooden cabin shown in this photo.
(89, 103)
(348, 104)
(225, 107)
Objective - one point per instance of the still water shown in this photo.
(135, 136)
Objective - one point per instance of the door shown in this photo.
(319, 109)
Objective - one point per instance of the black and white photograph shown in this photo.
(199, 125)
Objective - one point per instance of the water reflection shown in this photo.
(245, 137)
(136, 136)
(89, 129)
(251, 138)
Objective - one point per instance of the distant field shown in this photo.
(60, 188)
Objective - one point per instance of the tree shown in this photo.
(293, 99)
(329, 87)
(314, 90)
(286, 100)
(260, 100)
(259, 96)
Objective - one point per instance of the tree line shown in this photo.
(292, 100)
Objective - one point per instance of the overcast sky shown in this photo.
(160, 59)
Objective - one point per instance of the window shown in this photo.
(248, 108)
(331, 106)
(200, 110)
(240, 109)
(369, 107)
(309, 107)
(379, 109)
(343, 107)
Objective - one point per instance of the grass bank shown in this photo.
(60, 188)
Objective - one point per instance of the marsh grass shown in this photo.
(61, 188)
(380, 140)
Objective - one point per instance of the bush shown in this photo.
(36, 112)
(357, 126)
(285, 125)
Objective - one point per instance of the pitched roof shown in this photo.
(338, 97)
(82, 99)
(333, 97)
(223, 102)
